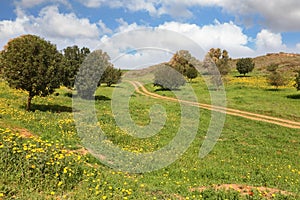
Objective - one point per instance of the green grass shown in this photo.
(248, 152)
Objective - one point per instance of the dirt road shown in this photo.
(248, 115)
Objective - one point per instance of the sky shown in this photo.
(244, 28)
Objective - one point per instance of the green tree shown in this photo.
(111, 76)
(245, 65)
(73, 58)
(180, 61)
(32, 64)
(184, 63)
(221, 59)
(90, 72)
(191, 73)
(167, 77)
(297, 81)
(276, 78)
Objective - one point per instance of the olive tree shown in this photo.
(245, 65)
(168, 78)
(276, 78)
(111, 76)
(32, 64)
(73, 58)
(90, 72)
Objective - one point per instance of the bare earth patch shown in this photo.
(245, 190)
(24, 133)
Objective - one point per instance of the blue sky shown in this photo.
(245, 28)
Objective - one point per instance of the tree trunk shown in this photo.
(28, 107)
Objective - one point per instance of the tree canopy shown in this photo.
(90, 72)
(183, 62)
(276, 78)
(168, 78)
(73, 58)
(245, 65)
(33, 64)
(221, 59)
(111, 76)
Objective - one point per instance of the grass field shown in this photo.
(42, 156)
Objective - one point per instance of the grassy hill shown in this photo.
(287, 62)
(42, 156)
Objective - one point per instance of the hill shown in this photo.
(288, 62)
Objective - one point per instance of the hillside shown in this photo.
(287, 61)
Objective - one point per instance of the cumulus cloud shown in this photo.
(63, 29)
(268, 41)
(227, 36)
(146, 46)
(23, 4)
(52, 23)
(277, 15)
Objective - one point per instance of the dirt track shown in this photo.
(248, 115)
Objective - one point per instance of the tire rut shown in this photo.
(248, 115)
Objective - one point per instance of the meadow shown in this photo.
(42, 156)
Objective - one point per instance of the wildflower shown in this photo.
(59, 183)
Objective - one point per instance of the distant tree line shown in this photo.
(35, 65)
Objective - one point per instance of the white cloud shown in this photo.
(63, 29)
(278, 15)
(298, 47)
(11, 28)
(266, 41)
(227, 36)
(103, 28)
(92, 3)
(57, 25)
(23, 4)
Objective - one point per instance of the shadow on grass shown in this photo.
(51, 108)
(68, 94)
(293, 96)
(272, 89)
(163, 89)
(242, 76)
(97, 97)
(101, 98)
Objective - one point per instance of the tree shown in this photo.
(191, 73)
(297, 81)
(245, 65)
(90, 72)
(276, 78)
(183, 62)
(30, 63)
(221, 59)
(111, 76)
(73, 58)
(168, 78)
(180, 61)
